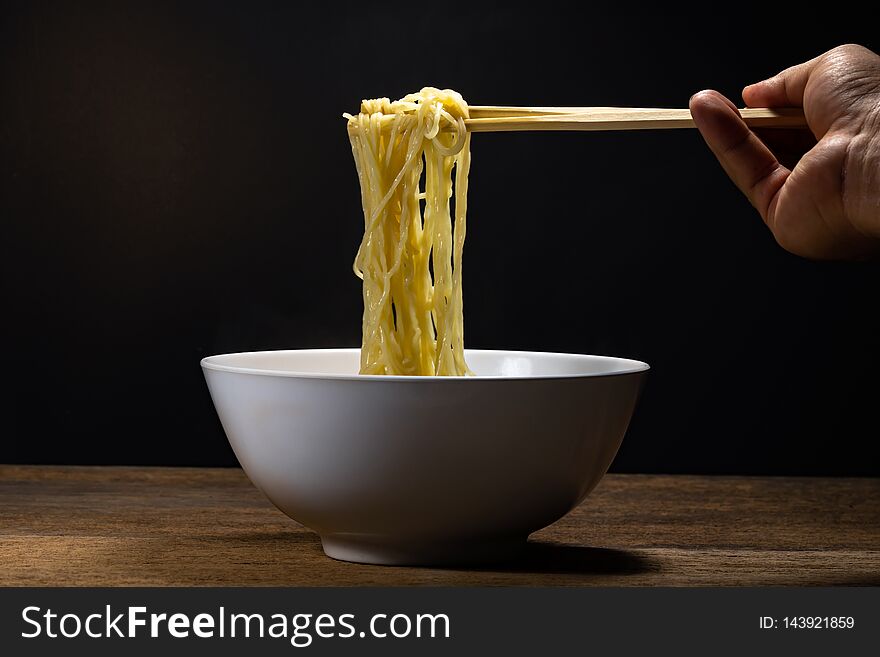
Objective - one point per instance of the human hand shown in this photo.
(818, 193)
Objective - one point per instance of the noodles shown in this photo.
(412, 320)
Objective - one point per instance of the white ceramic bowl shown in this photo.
(419, 470)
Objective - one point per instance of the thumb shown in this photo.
(786, 89)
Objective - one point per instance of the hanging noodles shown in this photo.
(412, 319)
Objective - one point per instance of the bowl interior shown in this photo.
(344, 363)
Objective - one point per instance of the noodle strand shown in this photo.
(410, 259)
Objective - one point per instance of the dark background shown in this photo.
(176, 181)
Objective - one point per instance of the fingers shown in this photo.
(785, 89)
(745, 158)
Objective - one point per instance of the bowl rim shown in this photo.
(632, 367)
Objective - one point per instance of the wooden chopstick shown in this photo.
(499, 111)
(506, 119)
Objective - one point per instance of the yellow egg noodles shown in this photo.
(410, 256)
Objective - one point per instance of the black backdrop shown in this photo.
(175, 181)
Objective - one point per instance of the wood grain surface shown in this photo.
(126, 526)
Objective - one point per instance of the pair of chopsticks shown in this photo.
(492, 118)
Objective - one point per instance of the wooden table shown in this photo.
(109, 526)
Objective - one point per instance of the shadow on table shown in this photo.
(536, 556)
(556, 558)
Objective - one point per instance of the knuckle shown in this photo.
(849, 53)
(846, 50)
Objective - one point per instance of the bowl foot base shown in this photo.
(367, 549)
